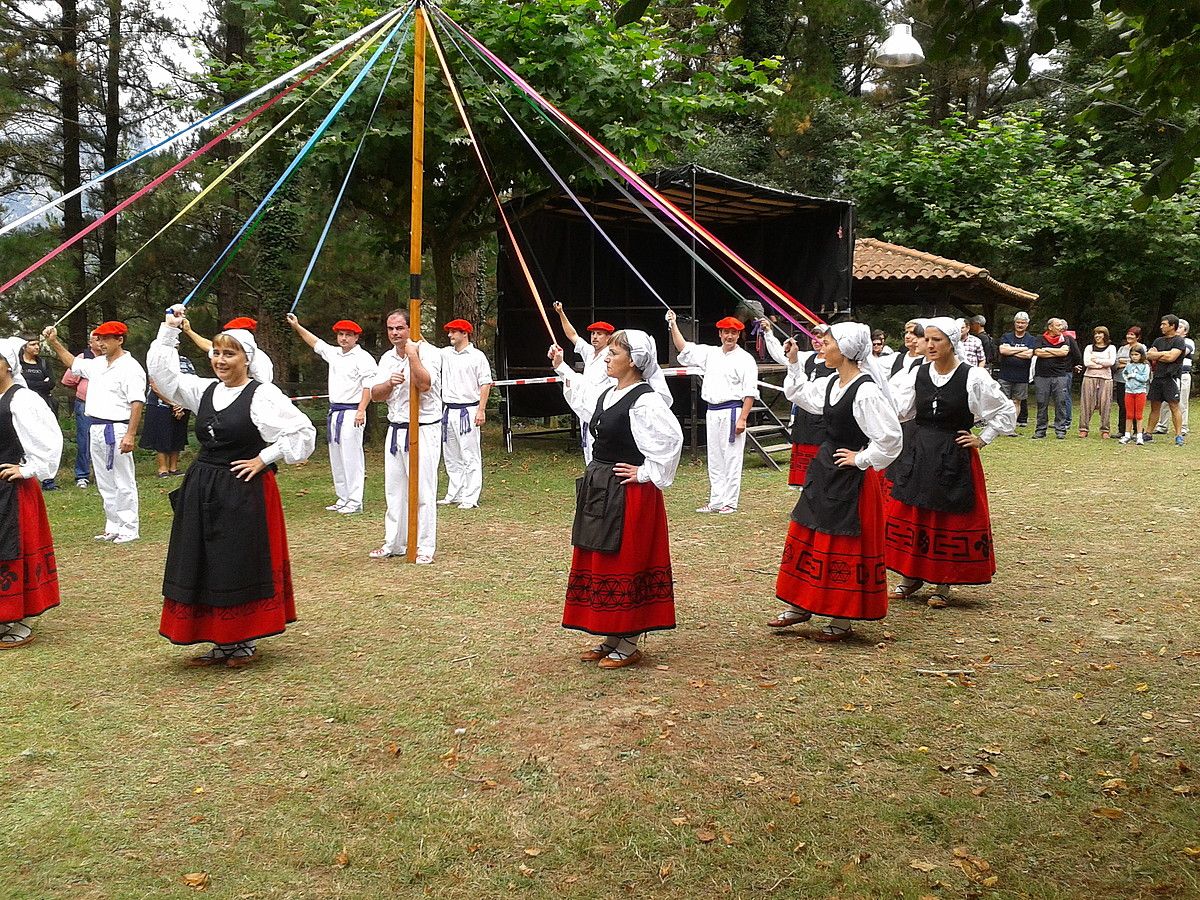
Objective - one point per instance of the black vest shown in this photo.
(811, 366)
(11, 451)
(946, 407)
(841, 428)
(612, 436)
(230, 434)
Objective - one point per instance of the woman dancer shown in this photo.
(808, 429)
(939, 529)
(833, 557)
(30, 446)
(228, 577)
(620, 584)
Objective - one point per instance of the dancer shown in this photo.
(418, 360)
(808, 429)
(262, 369)
(620, 585)
(729, 389)
(594, 354)
(228, 577)
(938, 526)
(31, 445)
(833, 561)
(914, 345)
(352, 371)
(115, 398)
(466, 382)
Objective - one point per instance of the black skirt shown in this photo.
(162, 432)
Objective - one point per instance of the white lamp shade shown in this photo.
(900, 50)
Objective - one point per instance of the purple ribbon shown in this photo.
(110, 438)
(334, 430)
(395, 427)
(583, 435)
(733, 406)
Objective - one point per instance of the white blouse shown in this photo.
(874, 415)
(38, 431)
(287, 430)
(984, 398)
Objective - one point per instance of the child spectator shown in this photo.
(1137, 385)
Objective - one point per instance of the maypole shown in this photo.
(414, 273)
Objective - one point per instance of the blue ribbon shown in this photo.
(304, 151)
(464, 418)
(334, 429)
(110, 438)
(733, 406)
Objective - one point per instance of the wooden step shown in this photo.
(777, 448)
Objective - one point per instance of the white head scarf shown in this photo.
(254, 359)
(854, 340)
(949, 327)
(644, 353)
(10, 349)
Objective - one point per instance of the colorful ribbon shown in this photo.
(237, 104)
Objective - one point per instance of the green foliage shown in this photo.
(1019, 196)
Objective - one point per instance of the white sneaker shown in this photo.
(468, 506)
(1125, 439)
(349, 510)
(381, 553)
(446, 501)
(1138, 440)
(424, 560)
(81, 483)
(107, 536)
(335, 507)
(1160, 429)
(125, 538)
(706, 509)
(727, 510)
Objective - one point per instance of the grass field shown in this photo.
(733, 762)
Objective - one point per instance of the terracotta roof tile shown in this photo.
(879, 260)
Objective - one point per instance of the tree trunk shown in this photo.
(443, 286)
(112, 147)
(69, 94)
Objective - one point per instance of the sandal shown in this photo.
(789, 617)
(903, 591)
(597, 653)
(16, 634)
(619, 660)
(937, 601)
(831, 633)
(242, 655)
(214, 657)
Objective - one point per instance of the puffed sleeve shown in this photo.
(163, 362)
(658, 436)
(289, 431)
(576, 391)
(774, 347)
(694, 355)
(990, 406)
(261, 368)
(40, 436)
(904, 392)
(808, 395)
(878, 420)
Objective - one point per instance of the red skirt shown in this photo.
(630, 591)
(29, 583)
(802, 455)
(941, 547)
(836, 574)
(195, 623)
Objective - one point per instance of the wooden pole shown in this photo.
(414, 276)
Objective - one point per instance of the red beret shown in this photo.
(729, 322)
(111, 329)
(460, 325)
(601, 326)
(241, 322)
(347, 325)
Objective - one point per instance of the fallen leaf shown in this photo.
(195, 820)
(705, 835)
(1193, 852)
(1181, 789)
(679, 820)
(533, 851)
(1142, 688)
(794, 799)
(342, 859)
(922, 866)
(991, 751)
(197, 880)
(1135, 762)
(1115, 785)
(665, 870)
(727, 838)
(979, 791)
(1108, 812)
(525, 870)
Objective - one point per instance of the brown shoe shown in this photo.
(828, 637)
(632, 659)
(595, 654)
(16, 642)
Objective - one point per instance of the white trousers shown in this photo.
(464, 459)
(1185, 393)
(724, 459)
(117, 486)
(347, 461)
(586, 437)
(395, 476)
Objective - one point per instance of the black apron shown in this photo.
(809, 428)
(220, 553)
(599, 495)
(829, 502)
(11, 453)
(932, 471)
